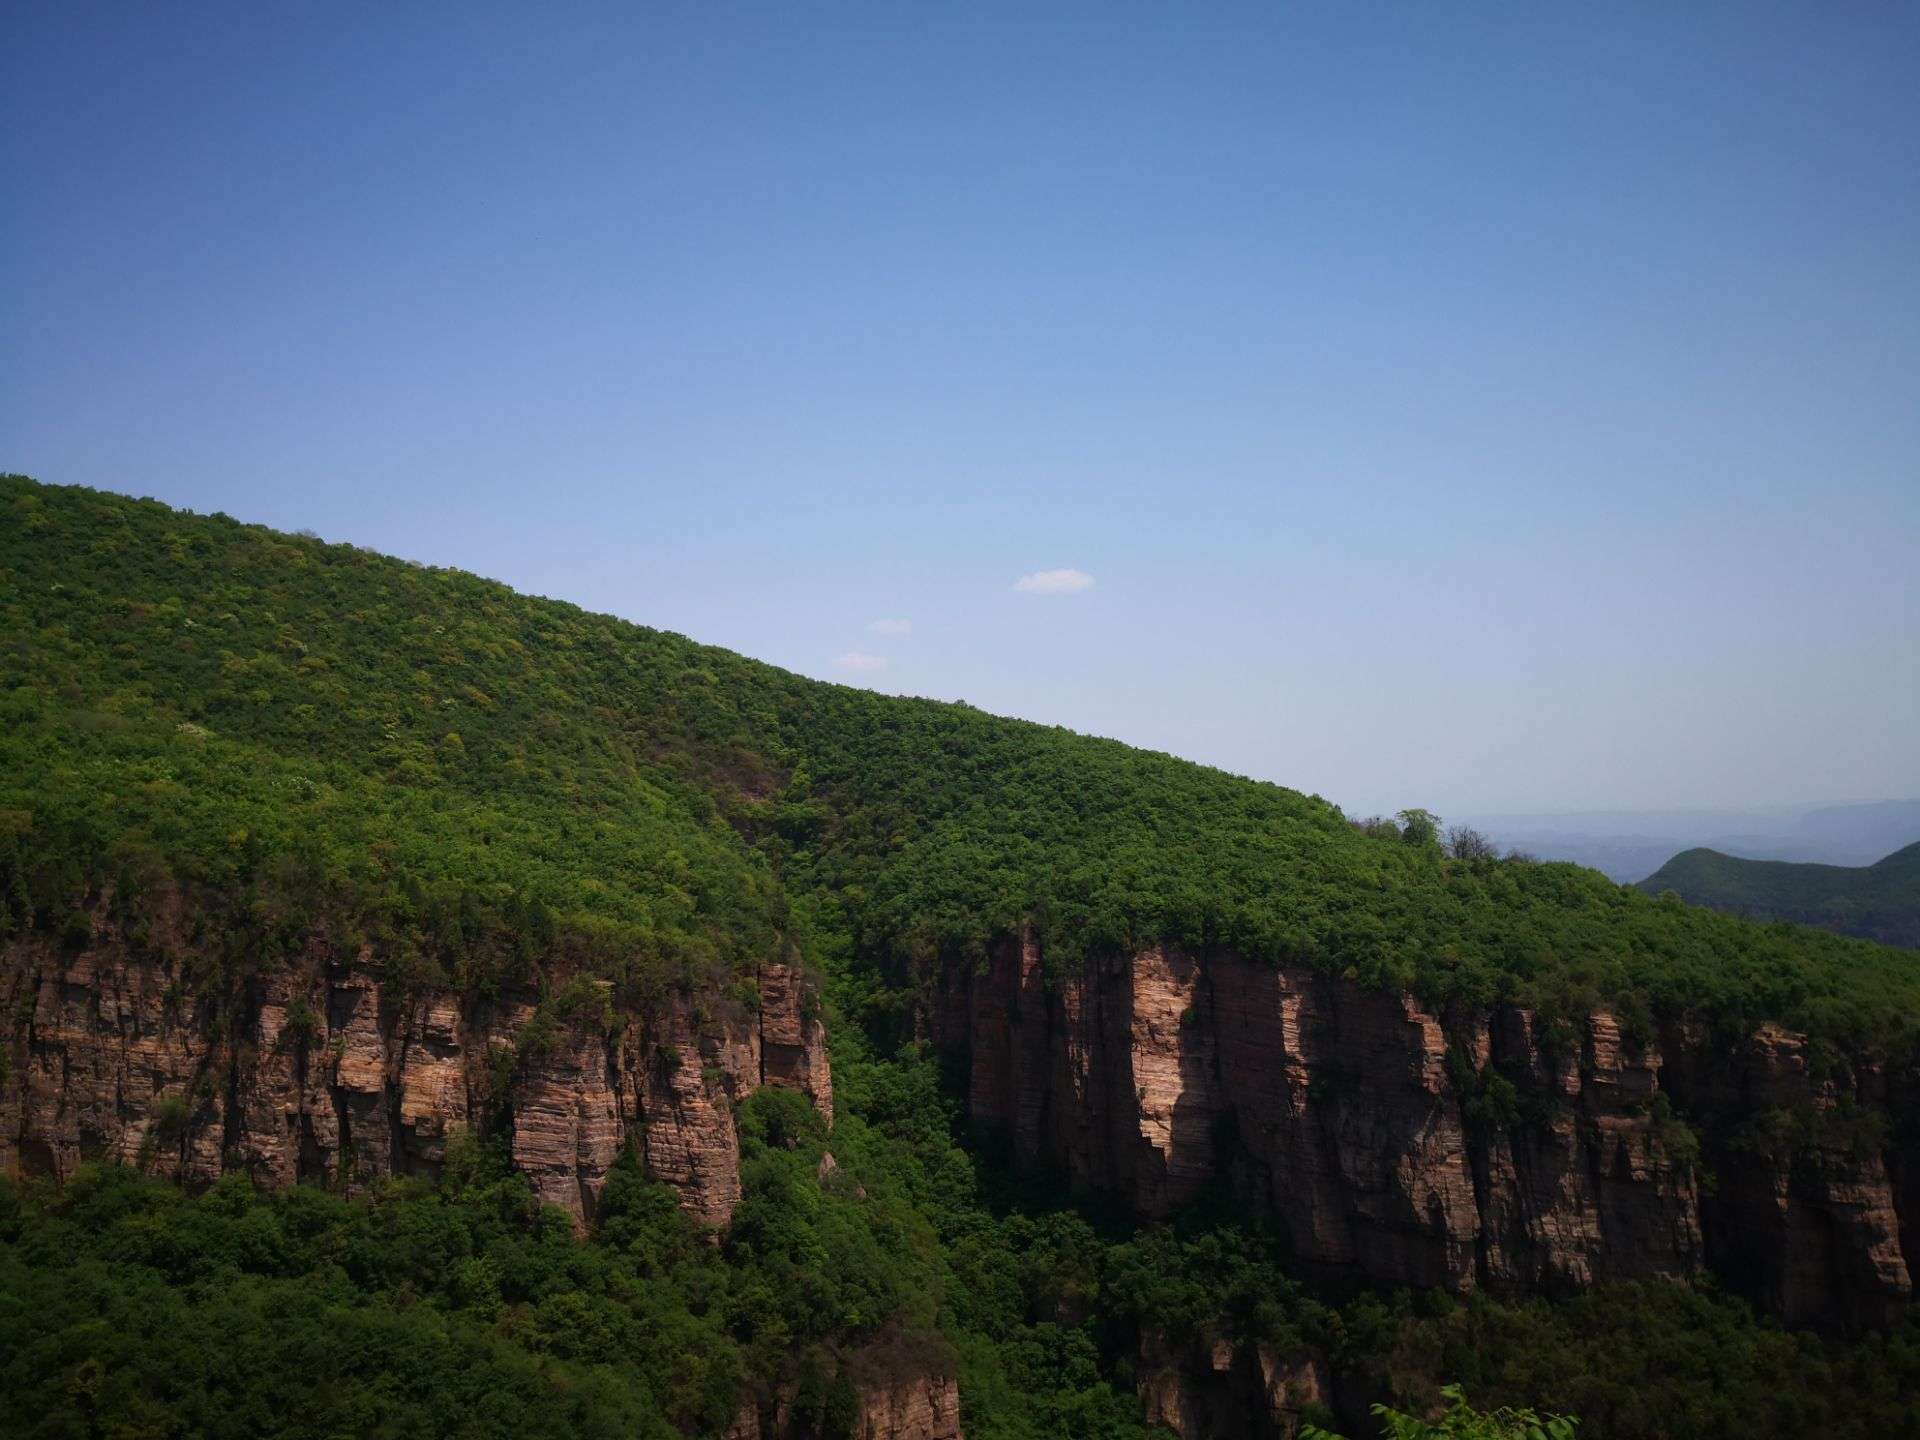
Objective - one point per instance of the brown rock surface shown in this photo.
(1175, 1067)
(904, 1387)
(685, 1087)
(1361, 1121)
(1204, 1389)
(1589, 1192)
(313, 1073)
(1804, 1215)
(793, 1042)
(567, 1121)
(922, 1407)
(1381, 1136)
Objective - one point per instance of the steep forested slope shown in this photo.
(257, 767)
(1880, 901)
(469, 773)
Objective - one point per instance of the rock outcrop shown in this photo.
(1470, 1148)
(892, 1388)
(1213, 1388)
(920, 1407)
(1805, 1214)
(791, 1052)
(318, 1072)
(1482, 1148)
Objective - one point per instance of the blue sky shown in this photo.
(1480, 406)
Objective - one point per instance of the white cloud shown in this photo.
(859, 660)
(1054, 582)
(890, 627)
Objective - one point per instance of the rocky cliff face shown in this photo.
(1471, 1148)
(1468, 1149)
(1214, 1388)
(918, 1407)
(898, 1390)
(1806, 1214)
(318, 1073)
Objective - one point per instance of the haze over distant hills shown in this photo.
(1876, 902)
(1629, 845)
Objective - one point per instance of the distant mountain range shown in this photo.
(1629, 845)
(1879, 901)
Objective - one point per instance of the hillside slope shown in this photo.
(1880, 901)
(332, 870)
(468, 773)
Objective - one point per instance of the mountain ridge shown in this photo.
(1629, 845)
(404, 743)
(1878, 902)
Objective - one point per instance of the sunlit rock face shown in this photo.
(1372, 1128)
(1362, 1122)
(318, 1073)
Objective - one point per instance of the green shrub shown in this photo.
(1460, 1421)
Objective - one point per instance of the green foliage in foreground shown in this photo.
(463, 1309)
(1660, 1359)
(1462, 1422)
(488, 786)
(129, 1309)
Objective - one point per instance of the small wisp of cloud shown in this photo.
(859, 660)
(890, 627)
(1054, 582)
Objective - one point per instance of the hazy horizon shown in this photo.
(1508, 412)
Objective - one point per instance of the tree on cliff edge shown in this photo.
(1419, 827)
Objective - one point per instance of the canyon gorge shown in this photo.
(1459, 1149)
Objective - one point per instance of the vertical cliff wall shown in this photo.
(896, 1388)
(1469, 1149)
(1200, 1386)
(320, 1073)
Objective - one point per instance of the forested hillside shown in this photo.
(239, 755)
(469, 774)
(1880, 901)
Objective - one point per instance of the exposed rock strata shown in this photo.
(1805, 1214)
(1480, 1148)
(921, 1407)
(1371, 1128)
(791, 1052)
(318, 1073)
(1213, 1388)
(899, 1389)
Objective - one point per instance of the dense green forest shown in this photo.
(488, 788)
(460, 1308)
(482, 781)
(1880, 901)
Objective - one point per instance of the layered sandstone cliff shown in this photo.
(318, 1072)
(1479, 1148)
(1475, 1147)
